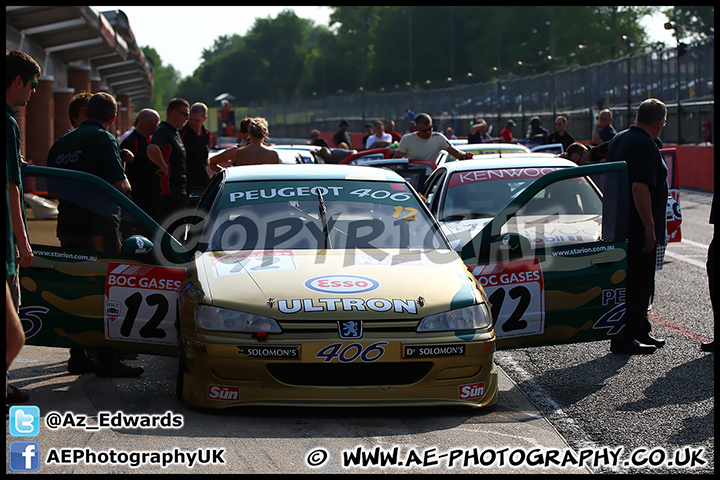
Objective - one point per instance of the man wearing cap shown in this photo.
(342, 135)
(537, 133)
(506, 133)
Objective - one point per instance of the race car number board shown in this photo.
(141, 303)
(516, 294)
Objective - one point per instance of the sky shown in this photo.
(180, 34)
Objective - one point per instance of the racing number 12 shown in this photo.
(514, 321)
(149, 330)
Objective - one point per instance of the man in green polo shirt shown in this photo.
(87, 221)
(90, 148)
(22, 74)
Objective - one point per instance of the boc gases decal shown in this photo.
(516, 294)
(141, 303)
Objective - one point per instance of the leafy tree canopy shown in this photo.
(288, 58)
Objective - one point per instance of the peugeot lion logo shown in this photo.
(349, 329)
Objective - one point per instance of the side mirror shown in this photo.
(509, 245)
(136, 245)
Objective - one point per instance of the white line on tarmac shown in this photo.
(538, 394)
(685, 259)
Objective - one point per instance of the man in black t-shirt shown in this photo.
(560, 135)
(342, 135)
(141, 172)
(647, 179)
(196, 139)
(167, 151)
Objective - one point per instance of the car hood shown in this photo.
(308, 284)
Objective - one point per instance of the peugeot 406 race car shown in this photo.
(328, 285)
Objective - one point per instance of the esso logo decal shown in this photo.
(339, 284)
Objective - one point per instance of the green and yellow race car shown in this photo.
(291, 285)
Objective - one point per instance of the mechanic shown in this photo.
(603, 130)
(342, 135)
(536, 132)
(479, 132)
(196, 139)
(92, 149)
(425, 144)
(167, 151)
(647, 175)
(561, 135)
(141, 174)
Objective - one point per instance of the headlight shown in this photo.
(470, 318)
(224, 320)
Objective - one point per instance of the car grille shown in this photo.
(324, 327)
(350, 375)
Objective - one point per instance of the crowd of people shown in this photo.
(160, 164)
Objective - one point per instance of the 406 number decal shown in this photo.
(352, 352)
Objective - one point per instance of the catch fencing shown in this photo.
(577, 92)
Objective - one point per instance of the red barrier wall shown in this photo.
(696, 166)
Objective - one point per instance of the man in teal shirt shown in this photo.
(22, 74)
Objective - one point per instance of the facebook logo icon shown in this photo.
(24, 421)
(24, 456)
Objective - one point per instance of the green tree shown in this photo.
(165, 80)
(287, 58)
(695, 22)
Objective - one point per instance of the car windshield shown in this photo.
(483, 193)
(322, 214)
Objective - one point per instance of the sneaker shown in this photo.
(632, 347)
(80, 365)
(15, 395)
(116, 368)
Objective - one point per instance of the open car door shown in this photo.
(87, 298)
(553, 261)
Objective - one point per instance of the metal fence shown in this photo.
(578, 92)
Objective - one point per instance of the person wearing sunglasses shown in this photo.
(561, 135)
(167, 152)
(425, 144)
(21, 79)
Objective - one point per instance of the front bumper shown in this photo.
(435, 370)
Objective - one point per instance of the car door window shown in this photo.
(566, 212)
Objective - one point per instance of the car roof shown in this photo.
(517, 160)
(311, 172)
(492, 146)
